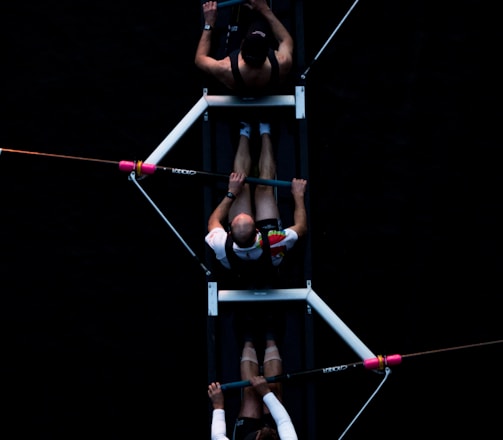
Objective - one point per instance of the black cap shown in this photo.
(255, 47)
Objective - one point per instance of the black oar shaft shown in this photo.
(257, 180)
(283, 377)
(142, 168)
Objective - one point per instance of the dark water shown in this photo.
(103, 309)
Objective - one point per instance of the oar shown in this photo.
(378, 363)
(142, 168)
(229, 3)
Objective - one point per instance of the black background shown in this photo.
(103, 310)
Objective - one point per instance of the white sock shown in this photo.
(245, 129)
(264, 127)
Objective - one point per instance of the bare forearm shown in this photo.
(279, 30)
(300, 215)
(204, 46)
(220, 214)
(210, 17)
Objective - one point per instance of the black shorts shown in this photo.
(269, 224)
(245, 426)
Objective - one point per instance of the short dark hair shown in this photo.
(255, 47)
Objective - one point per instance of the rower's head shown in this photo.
(254, 48)
(243, 230)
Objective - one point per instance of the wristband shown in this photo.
(230, 195)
